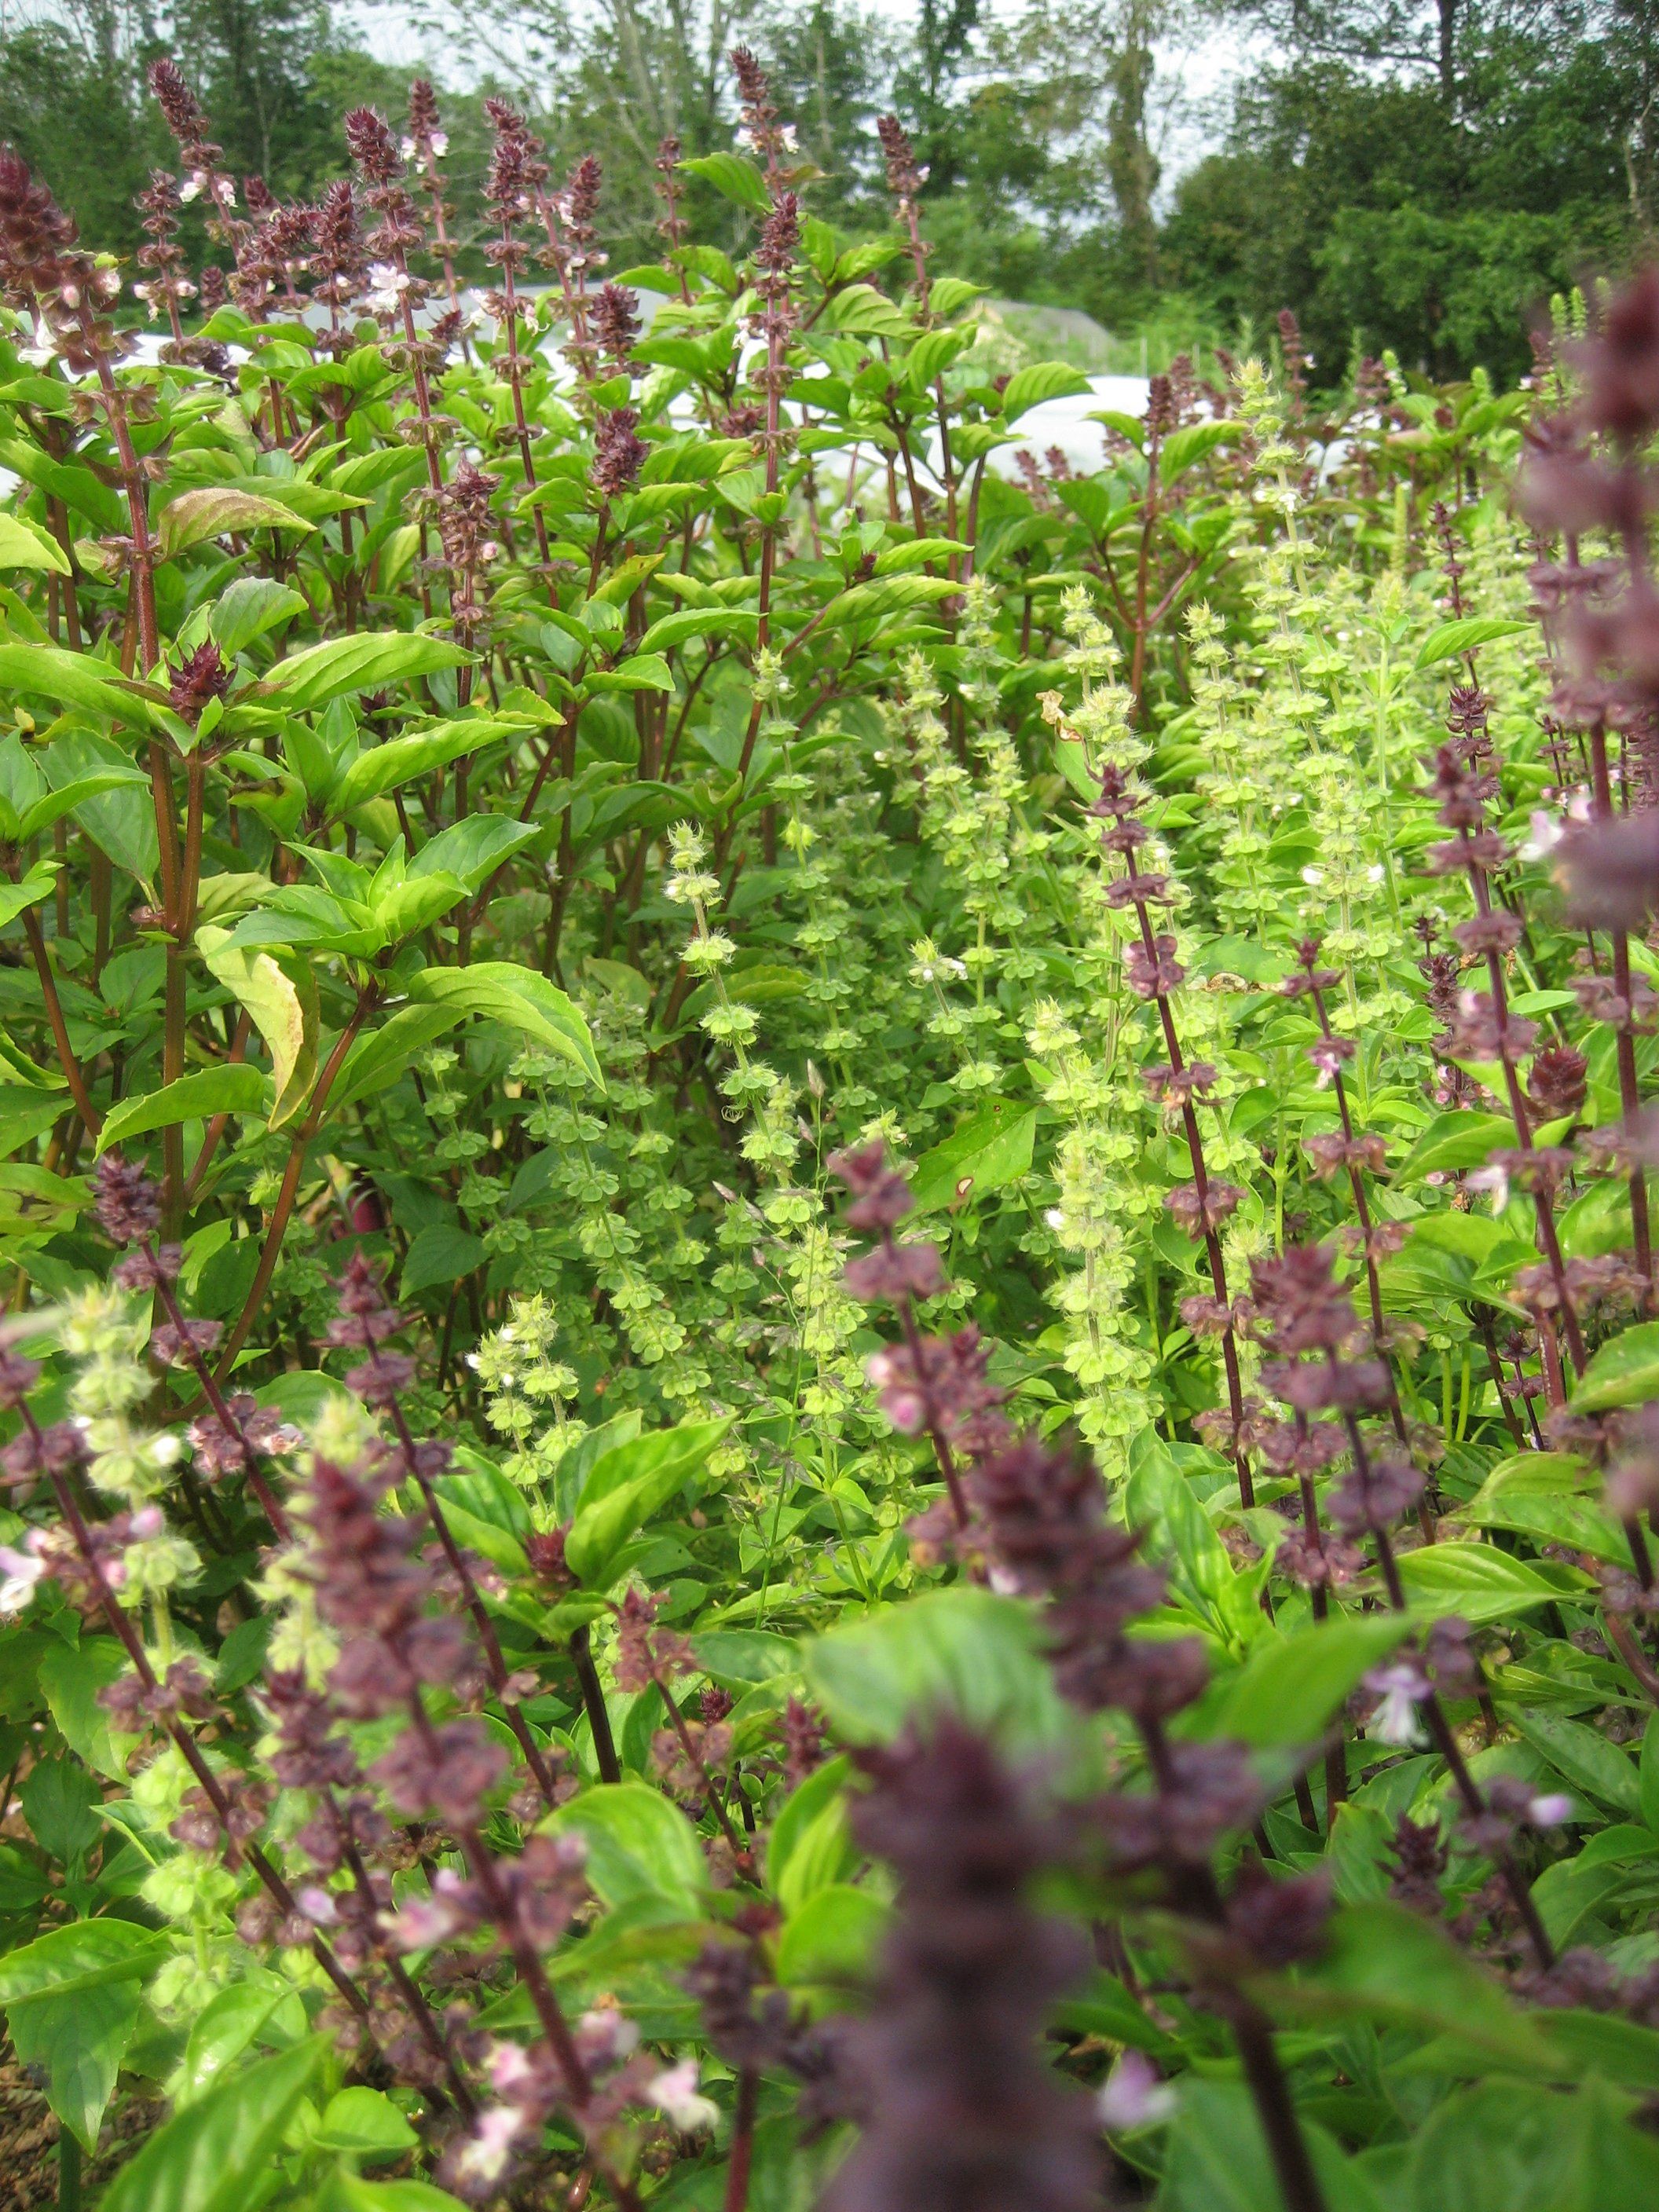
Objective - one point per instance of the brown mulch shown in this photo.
(28, 2141)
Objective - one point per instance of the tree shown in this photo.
(272, 74)
(1423, 38)
(1411, 35)
(1130, 164)
(928, 86)
(72, 102)
(1383, 221)
(1633, 37)
(831, 67)
(1088, 76)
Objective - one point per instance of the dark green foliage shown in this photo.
(1384, 220)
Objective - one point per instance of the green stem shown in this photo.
(69, 2170)
(60, 1037)
(282, 1212)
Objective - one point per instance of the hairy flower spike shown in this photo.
(35, 233)
(618, 453)
(182, 112)
(129, 1202)
(202, 676)
(905, 178)
(1620, 363)
(673, 228)
(614, 321)
(371, 145)
(962, 2111)
(761, 130)
(1043, 1510)
(779, 237)
(880, 1193)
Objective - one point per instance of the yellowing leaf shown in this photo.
(283, 1011)
(216, 509)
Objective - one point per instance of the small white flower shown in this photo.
(387, 284)
(1374, 874)
(509, 2066)
(1550, 1810)
(1056, 1216)
(929, 971)
(318, 1905)
(22, 1570)
(605, 2037)
(1395, 1719)
(1545, 836)
(1133, 2095)
(1313, 876)
(421, 1922)
(675, 2093)
(1494, 1179)
(484, 2157)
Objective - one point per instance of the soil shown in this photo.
(28, 2141)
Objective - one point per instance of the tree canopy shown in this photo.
(1405, 176)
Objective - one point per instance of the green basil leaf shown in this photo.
(212, 2156)
(235, 1088)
